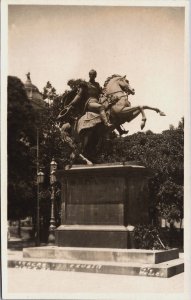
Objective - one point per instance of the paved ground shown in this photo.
(38, 281)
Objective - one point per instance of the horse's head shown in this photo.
(116, 82)
(125, 86)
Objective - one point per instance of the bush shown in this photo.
(149, 237)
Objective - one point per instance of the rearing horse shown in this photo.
(118, 89)
(89, 127)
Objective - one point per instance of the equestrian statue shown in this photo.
(91, 113)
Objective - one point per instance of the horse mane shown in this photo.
(109, 78)
(78, 83)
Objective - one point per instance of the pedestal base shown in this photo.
(93, 236)
(152, 263)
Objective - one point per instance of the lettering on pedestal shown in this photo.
(85, 266)
(53, 266)
(145, 271)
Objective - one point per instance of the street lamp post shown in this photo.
(40, 180)
(51, 237)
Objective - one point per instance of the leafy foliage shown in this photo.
(49, 92)
(149, 237)
(21, 136)
(23, 122)
(170, 201)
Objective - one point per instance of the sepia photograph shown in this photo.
(95, 161)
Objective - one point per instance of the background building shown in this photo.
(33, 94)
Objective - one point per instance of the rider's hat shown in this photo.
(92, 72)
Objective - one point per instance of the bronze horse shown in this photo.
(89, 127)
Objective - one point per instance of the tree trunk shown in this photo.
(19, 228)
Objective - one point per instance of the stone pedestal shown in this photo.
(100, 202)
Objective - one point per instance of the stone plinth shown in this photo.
(136, 262)
(99, 202)
(143, 256)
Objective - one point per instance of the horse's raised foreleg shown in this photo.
(143, 121)
(155, 109)
(127, 114)
(130, 113)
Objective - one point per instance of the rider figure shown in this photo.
(93, 92)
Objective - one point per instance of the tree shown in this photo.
(21, 136)
(181, 124)
(170, 201)
(49, 93)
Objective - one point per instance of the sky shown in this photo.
(146, 44)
